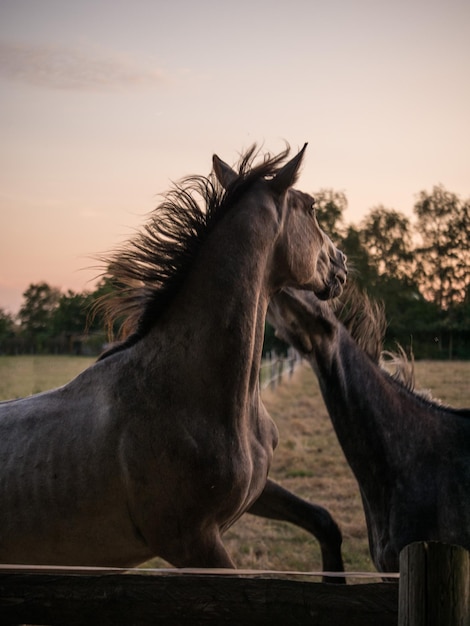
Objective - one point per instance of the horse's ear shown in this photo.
(288, 175)
(223, 172)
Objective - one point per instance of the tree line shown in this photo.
(53, 322)
(419, 268)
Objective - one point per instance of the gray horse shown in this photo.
(410, 456)
(164, 442)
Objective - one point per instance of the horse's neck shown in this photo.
(219, 313)
(361, 402)
(230, 285)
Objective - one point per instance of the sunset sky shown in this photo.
(104, 102)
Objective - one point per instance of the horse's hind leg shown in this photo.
(278, 503)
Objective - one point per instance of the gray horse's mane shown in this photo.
(366, 322)
(148, 270)
(363, 317)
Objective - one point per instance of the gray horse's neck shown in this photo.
(377, 420)
(217, 319)
(364, 406)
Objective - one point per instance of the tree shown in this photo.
(7, 328)
(36, 314)
(7, 323)
(70, 315)
(330, 206)
(443, 223)
(359, 262)
(386, 235)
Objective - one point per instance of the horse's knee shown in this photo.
(200, 551)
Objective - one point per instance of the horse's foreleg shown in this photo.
(200, 550)
(278, 503)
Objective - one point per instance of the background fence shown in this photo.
(278, 367)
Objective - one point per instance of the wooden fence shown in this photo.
(433, 591)
(276, 368)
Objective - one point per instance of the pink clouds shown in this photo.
(64, 68)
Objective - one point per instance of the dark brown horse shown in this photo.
(163, 443)
(410, 456)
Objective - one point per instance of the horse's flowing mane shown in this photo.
(148, 270)
(363, 317)
(365, 320)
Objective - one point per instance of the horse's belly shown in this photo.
(63, 502)
(42, 533)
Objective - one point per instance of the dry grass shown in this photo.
(24, 375)
(448, 382)
(308, 460)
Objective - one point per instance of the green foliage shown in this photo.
(7, 323)
(443, 256)
(70, 316)
(40, 303)
(421, 271)
(330, 206)
(359, 262)
(385, 233)
(7, 329)
(52, 322)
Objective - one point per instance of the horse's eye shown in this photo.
(312, 208)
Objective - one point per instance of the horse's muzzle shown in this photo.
(335, 285)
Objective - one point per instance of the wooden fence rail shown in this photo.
(190, 600)
(430, 587)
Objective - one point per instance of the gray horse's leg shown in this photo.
(197, 550)
(280, 504)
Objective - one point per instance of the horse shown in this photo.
(163, 443)
(409, 454)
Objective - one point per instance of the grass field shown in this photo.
(307, 461)
(24, 375)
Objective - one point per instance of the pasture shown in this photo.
(307, 461)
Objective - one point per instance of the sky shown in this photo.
(105, 103)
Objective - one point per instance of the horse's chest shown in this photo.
(238, 458)
(226, 467)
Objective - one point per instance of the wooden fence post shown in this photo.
(434, 585)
